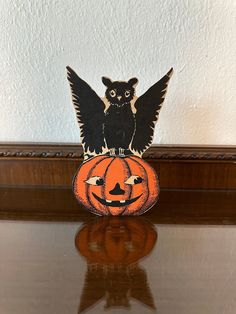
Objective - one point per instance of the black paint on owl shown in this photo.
(119, 123)
(119, 93)
(117, 127)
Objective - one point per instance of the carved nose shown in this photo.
(117, 190)
(119, 97)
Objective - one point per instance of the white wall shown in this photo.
(120, 39)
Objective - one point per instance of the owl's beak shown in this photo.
(119, 97)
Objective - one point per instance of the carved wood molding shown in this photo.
(40, 150)
(192, 152)
(160, 152)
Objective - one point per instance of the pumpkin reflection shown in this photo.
(112, 247)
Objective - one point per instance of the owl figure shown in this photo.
(119, 123)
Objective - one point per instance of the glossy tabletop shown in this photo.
(116, 265)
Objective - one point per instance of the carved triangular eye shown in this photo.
(134, 180)
(95, 181)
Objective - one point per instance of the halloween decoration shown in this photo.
(120, 121)
(109, 185)
(112, 247)
(116, 130)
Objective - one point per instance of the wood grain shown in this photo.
(179, 167)
(174, 206)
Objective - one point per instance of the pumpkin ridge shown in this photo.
(129, 171)
(135, 158)
(150, 188)
(105, 173)
(75, 180)
(146, 177)
(88, 186)
(119, 164)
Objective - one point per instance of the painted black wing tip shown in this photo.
(170, 72)
(69, 72)
(68, 69)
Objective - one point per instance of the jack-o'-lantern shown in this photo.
(109, 185)
(116, 240)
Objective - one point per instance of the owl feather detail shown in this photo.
(120, 123)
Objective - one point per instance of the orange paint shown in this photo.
(116, 185)
(115, 240)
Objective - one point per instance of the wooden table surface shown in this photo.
(55, 257)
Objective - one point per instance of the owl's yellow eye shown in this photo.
(113, 93)
(127, 93)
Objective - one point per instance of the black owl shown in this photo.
(120, 123)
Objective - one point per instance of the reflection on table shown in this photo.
(112, 247)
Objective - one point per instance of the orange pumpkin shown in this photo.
(116, 185)
(116, 240)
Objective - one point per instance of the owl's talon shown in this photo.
(121, 152)
(112, 152)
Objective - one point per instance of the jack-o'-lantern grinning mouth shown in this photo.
(116, 203)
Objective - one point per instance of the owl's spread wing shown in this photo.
(147, 111)
(89, 112)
